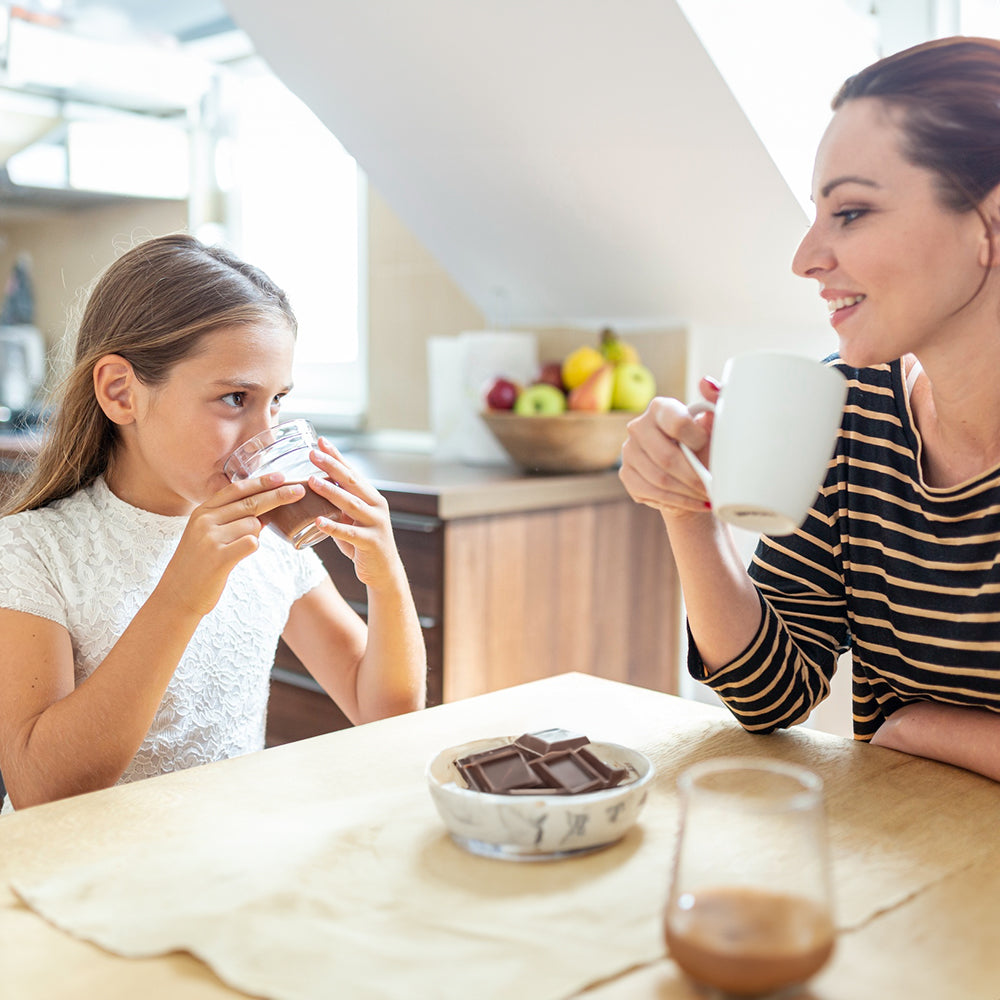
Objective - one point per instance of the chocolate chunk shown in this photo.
(550, 740)
(565, 769)
(498, 771)
(549, 762)
(612, 776)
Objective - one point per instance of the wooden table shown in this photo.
(915, 859)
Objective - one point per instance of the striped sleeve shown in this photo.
(905, 574)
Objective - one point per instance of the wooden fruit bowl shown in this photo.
(574, 441)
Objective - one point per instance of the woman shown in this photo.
(898, 561)
(142, 602)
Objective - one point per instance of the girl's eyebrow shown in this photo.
(245, 386)
(846, 179)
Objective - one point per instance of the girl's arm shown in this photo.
(371, 671)
(57, 739)
(966, 737)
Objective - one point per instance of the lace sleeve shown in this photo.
(27, 583)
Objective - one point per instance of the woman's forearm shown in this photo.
(966, 737)
(720, 600)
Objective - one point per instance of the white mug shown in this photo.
(776, 423)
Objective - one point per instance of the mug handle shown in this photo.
(699, 406)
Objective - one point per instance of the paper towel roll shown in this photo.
(458, 370)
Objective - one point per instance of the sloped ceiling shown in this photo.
(564, 160)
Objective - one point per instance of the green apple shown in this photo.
(634, 387)
(540, 399)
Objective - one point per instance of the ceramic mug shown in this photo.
(776, 423)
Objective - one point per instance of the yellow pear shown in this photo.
(580, 364)
(595, 393)
(616, 350)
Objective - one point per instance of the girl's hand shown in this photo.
(363, 532)
(219, 533)
(654, 469)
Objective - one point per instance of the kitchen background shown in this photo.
(549, 167)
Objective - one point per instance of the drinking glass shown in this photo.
(749, 911)
(285, 448)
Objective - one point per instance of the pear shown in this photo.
(616, 350)
(595, 393)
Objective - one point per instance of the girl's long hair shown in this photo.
(152, 306)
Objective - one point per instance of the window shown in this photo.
(293, 200)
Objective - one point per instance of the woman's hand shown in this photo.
(363, 532)
(220, 532)
(654, 470)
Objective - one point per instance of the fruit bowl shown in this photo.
(538, 827)
(573, 441)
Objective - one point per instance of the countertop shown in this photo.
(423, 484)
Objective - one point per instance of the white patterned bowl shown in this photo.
(537, 827)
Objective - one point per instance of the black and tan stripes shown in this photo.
(905, 575)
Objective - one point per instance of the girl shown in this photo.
(142, 603)
(900, 559)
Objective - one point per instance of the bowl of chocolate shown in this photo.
(539, 796)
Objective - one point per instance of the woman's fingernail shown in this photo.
(708, 504)
(714, 383)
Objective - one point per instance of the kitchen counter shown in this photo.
(450, 490)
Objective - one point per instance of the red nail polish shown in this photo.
(708, 505)
(713, 382)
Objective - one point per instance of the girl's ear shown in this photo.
(115, 387)
(989, 255)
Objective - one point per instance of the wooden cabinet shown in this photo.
(512, 595)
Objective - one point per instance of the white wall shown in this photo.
(564, 160)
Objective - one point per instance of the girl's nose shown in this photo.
(813, 258)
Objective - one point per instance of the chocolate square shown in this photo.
(550, 740)
(564, 769)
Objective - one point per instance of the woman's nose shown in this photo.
(813, 258)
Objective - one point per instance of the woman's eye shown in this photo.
(234, 399)
(849, 215)
(276, 402)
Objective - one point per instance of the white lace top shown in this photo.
(90, 561)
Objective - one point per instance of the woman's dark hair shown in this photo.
(947, 92)
(153, 306)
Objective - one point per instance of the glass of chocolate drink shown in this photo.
(749, 911)
(285, 448)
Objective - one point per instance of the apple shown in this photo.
(502, 393)
(540, 399)
(634, 387)
(551, 372)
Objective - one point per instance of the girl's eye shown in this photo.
(849, 215)
(234, 399)
(276, 402)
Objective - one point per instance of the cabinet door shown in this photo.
(590, 588)
(298, 707)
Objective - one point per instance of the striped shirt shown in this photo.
(904, 575)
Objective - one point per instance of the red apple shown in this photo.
(551, 372)
(502, 393)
